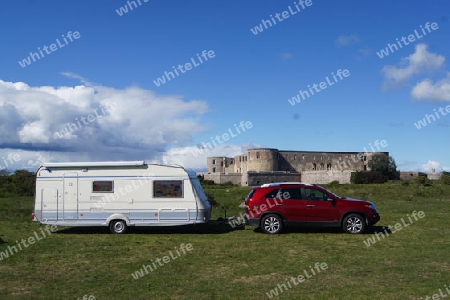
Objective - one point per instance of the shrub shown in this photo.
(212, 199)
(422, 180)
(204, 181)
(365, 177)
(445, 178)
(20, 183)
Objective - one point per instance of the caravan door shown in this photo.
(49, 204)
(70, 196)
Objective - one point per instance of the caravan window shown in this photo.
(103, 186)
(168, 188)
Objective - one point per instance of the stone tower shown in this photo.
(262, 160)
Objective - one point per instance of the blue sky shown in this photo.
(118, 56)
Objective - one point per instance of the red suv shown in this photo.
(273, 206)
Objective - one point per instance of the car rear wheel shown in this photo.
(354, 224)
(272, 224)
(118, 227)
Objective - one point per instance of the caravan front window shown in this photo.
(103, 187)
(168, 189)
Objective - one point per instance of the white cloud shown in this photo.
(420, 61)
(194, 157)
(141, 124)
(431, 164)
(13, 159)
(80, 78)
(286, 56)
(364, 52)
(426, 90)
(347, 40)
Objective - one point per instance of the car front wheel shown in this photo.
(272, 224)
(354, 224)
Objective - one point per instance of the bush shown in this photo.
(367, 177)
(445, 178)
(422, 180)
(334, 183)
(20, 183)
(212, 199)
(204, 181)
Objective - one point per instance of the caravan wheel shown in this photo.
(118, 226)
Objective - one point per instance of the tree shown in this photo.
(445, 178)
(23, 182)
(385, 165)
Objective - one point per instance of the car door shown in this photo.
(284, 200)
(318, 207)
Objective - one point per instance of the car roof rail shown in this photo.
(284, 183)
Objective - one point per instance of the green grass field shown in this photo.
(225, 263)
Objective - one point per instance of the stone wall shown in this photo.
(268, 159)
(410, 175)
(434, 176)
(259, 178)
(220, 178)
(323, 177)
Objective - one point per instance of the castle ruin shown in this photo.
(265, 165)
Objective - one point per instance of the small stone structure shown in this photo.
(265, 165)
(433, 175)
(410, 175)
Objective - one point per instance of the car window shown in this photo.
(313, 194)
(290, 194)
(272, 194)
(284, 194)
(250, 194)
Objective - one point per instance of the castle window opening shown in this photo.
(257, 156)
(214, 161)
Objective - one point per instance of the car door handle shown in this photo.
(310, 205)
(278, 204)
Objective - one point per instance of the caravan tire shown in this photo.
(118, 226)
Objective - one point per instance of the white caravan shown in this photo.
(118, 195)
